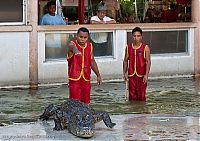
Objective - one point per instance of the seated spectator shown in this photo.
(171, 14)
(153, 15)
(99, 40)
(101, 17)
(51, 18)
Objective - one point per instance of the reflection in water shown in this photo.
(166, 127)
(164, 96)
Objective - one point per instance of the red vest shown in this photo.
(137, 60)
(80, 65)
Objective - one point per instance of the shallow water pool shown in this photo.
(178, 96)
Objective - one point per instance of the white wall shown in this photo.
(50, 71)
(111, 67)
(56, 71)
(175, 64)
(14, 58)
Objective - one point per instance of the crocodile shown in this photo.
(77, 117)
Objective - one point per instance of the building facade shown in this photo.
(32, 54)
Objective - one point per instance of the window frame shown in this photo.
(188, 44)
(113, 56)
(24, 16)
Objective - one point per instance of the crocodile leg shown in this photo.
(58, 125)
(105, 117)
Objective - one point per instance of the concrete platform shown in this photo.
(129, 127)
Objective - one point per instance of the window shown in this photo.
(102, 43)
(12, 12)
(56, 44)
(162, 42)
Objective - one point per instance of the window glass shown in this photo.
(161, 42)
(102, 43)
(11, 11)
(56, 44)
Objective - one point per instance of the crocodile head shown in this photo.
(48, 112)
(82, 123)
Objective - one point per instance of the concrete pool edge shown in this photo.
(129, 127)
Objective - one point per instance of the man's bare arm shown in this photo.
(125, 66)
(96, 70)
(72, 47)
(148, 63)
(103, 22)
(111, 22)
(97, 22)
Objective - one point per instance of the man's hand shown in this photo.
(125, 77)
(99, 81)
(77, 52)
(145, 78)
(74, 49)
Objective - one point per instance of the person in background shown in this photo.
(100, 39)
(136, 66)
(51, 18)
(101, 17)
(80, 62)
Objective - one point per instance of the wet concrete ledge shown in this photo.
(129, 127)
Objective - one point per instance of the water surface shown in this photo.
(178, 96)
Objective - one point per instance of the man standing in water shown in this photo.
(80, 62)
(136, 66)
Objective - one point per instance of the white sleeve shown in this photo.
(95, 18)
(107, 19)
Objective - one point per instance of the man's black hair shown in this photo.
(83, 29)
(137, 29)
(51, 3)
